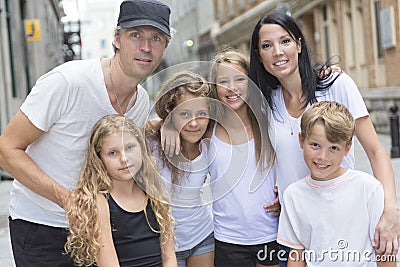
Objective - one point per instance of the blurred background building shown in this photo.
(363, 34)
(98, 20)
(31, 43)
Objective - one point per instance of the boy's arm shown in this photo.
(296, 258)
(107, 256)
(168, 254)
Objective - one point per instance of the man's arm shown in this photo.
(18, 135)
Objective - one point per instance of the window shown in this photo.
(102, 43)
(325, 28)
(377, 6)
(220, 10)
(231, 8)
(241, 4)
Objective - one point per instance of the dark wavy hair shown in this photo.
(313, 77)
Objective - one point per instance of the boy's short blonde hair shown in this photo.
(339, 124)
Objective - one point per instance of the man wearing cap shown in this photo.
(43, 146)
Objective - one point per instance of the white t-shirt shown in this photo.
(65, 103)
(334, 220)
(239, 191)
(289, 156)
(192, 215)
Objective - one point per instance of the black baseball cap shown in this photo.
(134, 13)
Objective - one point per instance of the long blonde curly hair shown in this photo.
(83, 243)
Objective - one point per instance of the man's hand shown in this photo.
(74, 211)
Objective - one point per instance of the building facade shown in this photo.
(361, 36)
(350, 29)
(98, 21)
(31, 41)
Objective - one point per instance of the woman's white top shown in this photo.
(290, 162)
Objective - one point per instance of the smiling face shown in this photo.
(121, 154)
(232, 85)
(190, 117)
(278, 51)
(140, 50)
(323, 157)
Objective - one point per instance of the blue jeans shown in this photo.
(205, 246)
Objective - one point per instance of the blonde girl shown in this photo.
(118, 204)
(184, 104)
(241, 159)
(241, 167)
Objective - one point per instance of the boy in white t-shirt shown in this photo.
(329, 217)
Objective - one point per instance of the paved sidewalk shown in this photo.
(6, 259)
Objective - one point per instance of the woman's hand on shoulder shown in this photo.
(325, 71)
(336, 68)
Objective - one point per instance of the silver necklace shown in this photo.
(288, 115)
(115, 93)
(292, 125)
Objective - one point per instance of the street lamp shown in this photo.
(189, 45)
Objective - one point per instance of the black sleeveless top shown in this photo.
(136, 244)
